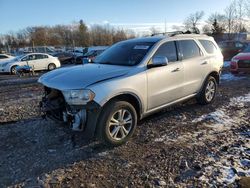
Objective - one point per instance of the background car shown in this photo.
(39, 61)
(65, 57)
(230, 48)
(4, 57)
(240, 63)
(90, 55)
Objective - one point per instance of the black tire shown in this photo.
(13, 70)
(206, 97)
(105, 129)
(51, 66)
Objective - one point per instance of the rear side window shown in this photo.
(189, 49)
(41, 56)
(168, 50)
(208, 46)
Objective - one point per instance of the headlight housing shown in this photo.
(78, 97)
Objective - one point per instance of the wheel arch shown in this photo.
(132, 98)
(214, 74)
(11, 66)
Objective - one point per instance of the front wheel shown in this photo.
(208, 91)
(13, 70)
(51, 66)
(117, 123)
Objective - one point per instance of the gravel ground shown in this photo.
(187, 145)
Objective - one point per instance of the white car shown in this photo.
(39, 61)
(5, 57)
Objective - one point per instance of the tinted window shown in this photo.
(209, 46)
(189, 49)
(169, 50)
(41, 56)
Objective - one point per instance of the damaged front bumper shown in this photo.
(78, 117)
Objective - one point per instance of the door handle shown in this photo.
(176, 70)
(204, 63)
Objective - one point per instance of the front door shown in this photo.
(165, 84)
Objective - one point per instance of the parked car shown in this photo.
(240, 63)
(131, 80)
(89, 57)
(65, 57)
(4, 57)
(39, 61)
(230, 48)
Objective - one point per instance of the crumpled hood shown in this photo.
(81, 76)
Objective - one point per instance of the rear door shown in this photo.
(165, 84)
(41, 61)
(195, 65)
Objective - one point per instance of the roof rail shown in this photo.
(173, 33)
(170, 34)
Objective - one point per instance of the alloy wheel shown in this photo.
(120, 124)
(210, 90)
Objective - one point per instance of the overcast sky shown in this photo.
(135, 14)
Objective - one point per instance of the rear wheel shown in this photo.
(117, 123)
(51, 66)
(208, 91)
(13, 70)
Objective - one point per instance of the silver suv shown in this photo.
(130, 80)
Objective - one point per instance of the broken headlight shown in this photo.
(78, 97)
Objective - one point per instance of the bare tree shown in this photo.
(230, 15)
(215, 24)
(153, 30)
(192, 21)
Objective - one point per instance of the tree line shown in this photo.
(77, 34)
(234, 19)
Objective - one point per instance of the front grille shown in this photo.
(244, 64)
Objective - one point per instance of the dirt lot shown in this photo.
(187, 145)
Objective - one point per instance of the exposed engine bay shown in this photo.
(54, 107)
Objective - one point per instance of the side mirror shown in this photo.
(158, 61)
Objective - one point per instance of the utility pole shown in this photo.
(165, 26)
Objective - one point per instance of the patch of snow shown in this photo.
(232, 163)
(103, 154)
(219, 119)
(230, 77)
(239, 101)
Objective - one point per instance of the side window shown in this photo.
(39, 56)
(32, 57)
(45, 56)
(209, 46)
(189, 49)
(168, 50)
(26, 58)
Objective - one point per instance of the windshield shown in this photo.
(247, 49)
(127, 53)
(17, 58)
